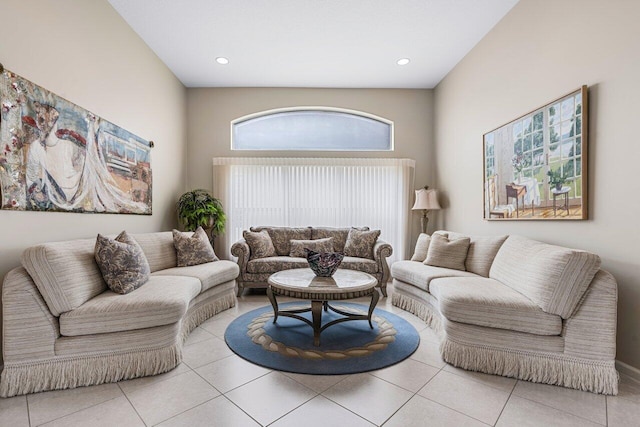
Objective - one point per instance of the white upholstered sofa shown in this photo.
(521, 308)
(63, 328)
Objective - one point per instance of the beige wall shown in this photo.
(541, 50)
(210, 111)
(85, 52)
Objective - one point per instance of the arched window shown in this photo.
(312, 128)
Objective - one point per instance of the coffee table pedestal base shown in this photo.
(317, 306)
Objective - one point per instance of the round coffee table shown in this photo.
(302, 283)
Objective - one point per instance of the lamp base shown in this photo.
(424, 221)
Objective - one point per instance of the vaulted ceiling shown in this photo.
(312, 43)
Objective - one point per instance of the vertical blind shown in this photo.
(299, 192)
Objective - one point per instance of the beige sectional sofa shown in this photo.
(63, 328)
(521, 309)
(255, 272)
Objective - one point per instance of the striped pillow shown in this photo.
(482, 251)
(554, 277)
(447, 253)
(422, 248)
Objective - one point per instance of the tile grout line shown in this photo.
(186, 410)
(79, 410)
(445, 406)
(243, 411)
(345, 408)
(506, 402)
(303, 403)
(414, 393)
(216, 389)
(131, 403)
(28, 412)
(563, 411)
(480, 382)
(455, 410)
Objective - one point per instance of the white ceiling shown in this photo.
(312, 43)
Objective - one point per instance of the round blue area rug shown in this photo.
(345, 348)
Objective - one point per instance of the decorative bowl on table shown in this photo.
(323, 264)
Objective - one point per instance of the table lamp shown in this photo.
(426, 200)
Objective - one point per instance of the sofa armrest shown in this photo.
(29, 329)
(381, 251)
(591, 330)
(240, 249)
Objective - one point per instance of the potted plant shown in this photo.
(199, 208)
(556, 178)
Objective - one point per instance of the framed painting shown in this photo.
(535, 167)
(57, 156)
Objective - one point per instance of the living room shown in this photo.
(540, 50)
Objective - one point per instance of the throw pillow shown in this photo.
(360, 243)
(447, 253)
(318, 245)
(339, 235)
(122, 263)
(193, 249)
(422, 247)
(482, 251)
(260, 244)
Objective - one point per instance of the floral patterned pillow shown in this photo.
(193, 249)
(360, 243)
(122, 263)
(260, 244)
(319, 245)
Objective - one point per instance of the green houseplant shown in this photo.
(556, 178)
(199, 208)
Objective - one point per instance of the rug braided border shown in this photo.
(259, 336)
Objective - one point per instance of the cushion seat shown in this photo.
(360, 264)
(487, 302)
(275, 263)
(210, 274)
(421, 275)
(161, 301)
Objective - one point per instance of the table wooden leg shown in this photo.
(374, 300)
(316, 315)
(274, 303)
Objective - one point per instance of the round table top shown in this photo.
(303, 281)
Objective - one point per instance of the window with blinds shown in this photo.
(316, 192)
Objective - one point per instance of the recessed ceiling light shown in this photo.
(403, 61)
(222, 60)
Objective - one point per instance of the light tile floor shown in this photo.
(214, 387)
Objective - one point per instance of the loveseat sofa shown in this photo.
(254, 272)
(63, 328)
(517, 308)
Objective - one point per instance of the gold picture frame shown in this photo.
(535, 167)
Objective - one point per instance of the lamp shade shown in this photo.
(426, 200)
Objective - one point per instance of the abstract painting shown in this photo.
(535, 167)
(57, 156)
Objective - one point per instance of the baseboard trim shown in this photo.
(628, 370)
